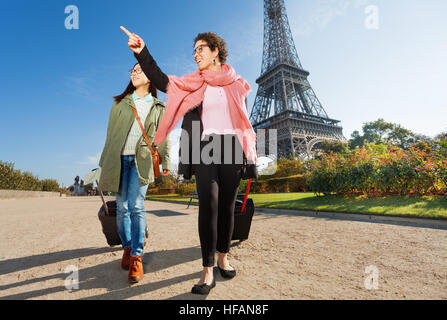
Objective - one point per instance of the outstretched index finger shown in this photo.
(125, 31)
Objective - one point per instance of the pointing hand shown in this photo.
(136, 44)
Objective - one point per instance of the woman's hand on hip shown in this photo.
(136, 43)
(166, 172)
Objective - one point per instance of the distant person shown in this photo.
(214, 96)
(126, 163)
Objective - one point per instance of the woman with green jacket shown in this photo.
(126, 163)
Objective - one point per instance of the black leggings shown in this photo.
(217, 188)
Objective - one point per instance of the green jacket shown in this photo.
(120, 122)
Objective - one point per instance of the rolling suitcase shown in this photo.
(243, 215)
(107, 216)
(108, 223)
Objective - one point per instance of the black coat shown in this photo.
(161, 80)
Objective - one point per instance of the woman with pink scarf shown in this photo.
(214, 97)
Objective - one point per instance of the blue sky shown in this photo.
(57, 84)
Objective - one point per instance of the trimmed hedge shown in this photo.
(295, 183)
(12, 179)
(185, 189)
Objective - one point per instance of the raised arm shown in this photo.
(151, 70)
(146, 61)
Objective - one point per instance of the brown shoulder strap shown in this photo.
(142, 129)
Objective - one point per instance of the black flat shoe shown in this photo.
(203, 288)
(227, 274)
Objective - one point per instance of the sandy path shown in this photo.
(286, 257)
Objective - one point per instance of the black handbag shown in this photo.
(249, 170)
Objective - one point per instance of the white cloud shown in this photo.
(78, 86)
(90, 160)
(322, 14)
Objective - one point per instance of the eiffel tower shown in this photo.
(285, 101)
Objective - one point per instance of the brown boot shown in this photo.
(126, 259)
(135, 269)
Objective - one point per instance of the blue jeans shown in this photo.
(130, 213)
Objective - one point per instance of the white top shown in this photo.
(143, 106)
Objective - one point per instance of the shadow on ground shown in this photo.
(18, 264)
(166, 213)
(108, 276)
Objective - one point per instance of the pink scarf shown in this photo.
(187, 92)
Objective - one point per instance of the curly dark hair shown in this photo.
(214, 41)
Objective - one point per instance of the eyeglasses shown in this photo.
(137, 71)
(199, 49)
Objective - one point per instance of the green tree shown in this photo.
(401, 137)
(382, 132)
(334, 147)
(377, 131)
(356, 140)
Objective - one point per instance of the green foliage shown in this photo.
(185, 189)
(381, 132)
(441, 146)
(440, 169)
(163, 185)
(333, 146)
(295, 183)
(285, 168)
(397, 163)
(166, 182)
(7, 175)
(12, 179)
(378, 169)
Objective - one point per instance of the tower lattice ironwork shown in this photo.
(285, 101)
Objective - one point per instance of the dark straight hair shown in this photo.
(131, 88)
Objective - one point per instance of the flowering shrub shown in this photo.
(379, 170)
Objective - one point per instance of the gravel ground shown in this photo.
(286, 256)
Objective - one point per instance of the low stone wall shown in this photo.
(18, 194)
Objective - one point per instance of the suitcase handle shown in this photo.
(246, 195)
(102, 198)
